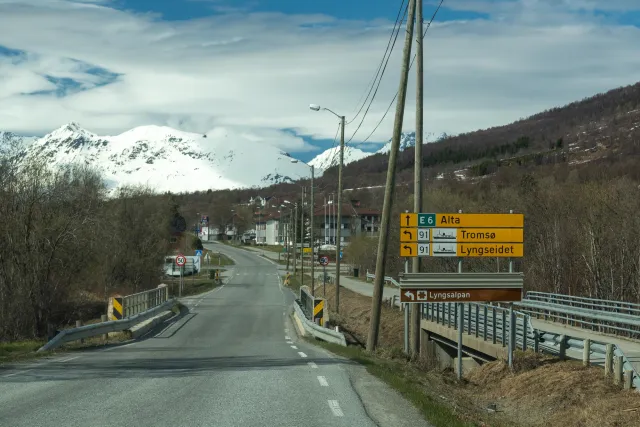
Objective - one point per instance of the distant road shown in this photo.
(233, 361)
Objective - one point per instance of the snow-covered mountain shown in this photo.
(407, 140)
(331, 157)
(166, 159)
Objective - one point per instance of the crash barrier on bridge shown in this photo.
(123, 307)
(312, 307)
(320, 332)
(88, 331)
(604, 316)
(490, 323)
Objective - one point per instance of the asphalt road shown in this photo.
(233, 360)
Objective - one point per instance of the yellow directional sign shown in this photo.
(408, 234)
(408, 249)
(502, 250)
(490, 235)
(455, 220)
(408, 220)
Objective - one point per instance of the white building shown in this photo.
(272, 231)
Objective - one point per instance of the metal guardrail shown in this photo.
(88, 331)
(143, 301)
(306, 302)
(604, 316)
(325, 334)
(490, 322)
(387, 279)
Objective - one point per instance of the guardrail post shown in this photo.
(525, 322)
(103, 318)
(536, 341)
(477, 319)
(484, 326)
(494, 337)
(617, 375)
(586, 352)
(504, 328)
(608, 361)
(456, 317)
(563, 347)
(628, 380)
(450, 319)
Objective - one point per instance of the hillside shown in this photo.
(603, 128)
(600, 126)
(164, 158)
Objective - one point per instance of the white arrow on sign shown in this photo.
(410, 295)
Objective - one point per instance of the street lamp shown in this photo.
(311, 237)
(316, 107)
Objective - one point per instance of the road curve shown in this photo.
(234, 360)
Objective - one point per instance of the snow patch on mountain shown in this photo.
(331, 157)
(407, 140)
(167, 159)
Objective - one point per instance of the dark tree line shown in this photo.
(65, 246)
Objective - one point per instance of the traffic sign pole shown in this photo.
(460, 324)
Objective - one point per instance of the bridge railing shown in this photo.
(609, 317)
(491, 323)
(143, 301)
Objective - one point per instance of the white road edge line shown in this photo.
(313, 365)
(335, 408)
(120, 346)
(302, 354)
(294, 347)
(69, 359)
(323, 381)
(16, 373)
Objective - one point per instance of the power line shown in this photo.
(410, 65)
(380, 80)
(372, 82)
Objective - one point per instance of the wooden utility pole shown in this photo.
(417, 172)
(295, 238)
(339, 215)
(302, 230)
(383, 242)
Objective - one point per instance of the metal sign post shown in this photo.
(324, 261)
(406, 315)
(181, 260)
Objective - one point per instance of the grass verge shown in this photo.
(295, 282)
(218, 259)
(18, 351)
(397, 375)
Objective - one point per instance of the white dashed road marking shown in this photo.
(286, 337)
(302, 354)
(294, 347)
(313, 365)
(323, 381)
(335, 408)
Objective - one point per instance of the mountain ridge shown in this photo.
(164, 159)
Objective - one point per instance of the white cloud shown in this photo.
(256, 73)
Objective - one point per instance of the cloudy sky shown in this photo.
(254, 66)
